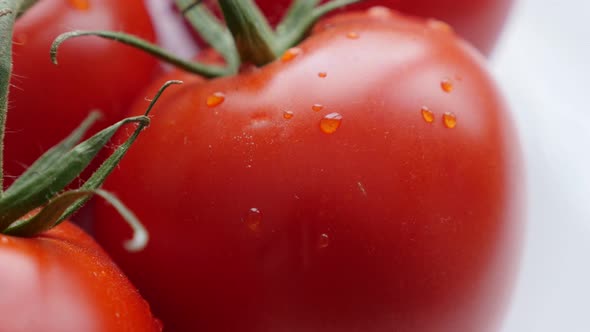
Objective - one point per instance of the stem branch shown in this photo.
(190, 66)
(212, 30)
(252, 34)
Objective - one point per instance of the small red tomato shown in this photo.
(62, 281)
(47, 101)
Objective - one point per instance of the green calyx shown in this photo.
(246, 38)
(38, 200)
(41, 185)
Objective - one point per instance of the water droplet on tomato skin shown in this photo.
(449, 120)
(215, 99)
(80, 4)
(253, 219)
(427, 114)
(322, 74)
(288, 115)
(446, 85)
(291, 54)
(330, 123)
(323, 241)
(352, 35)
(317, 107)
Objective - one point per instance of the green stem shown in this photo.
(329, 6)
(252, 34)
(8, 12)
(297, 10)
(212, 30)
(190, 66)
(300, 25)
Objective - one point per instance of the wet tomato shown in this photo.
(367, 180)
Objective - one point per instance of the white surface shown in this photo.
(543, 65)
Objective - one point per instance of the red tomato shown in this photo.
(48, 101)
(479, 21)
(63, 281)
(369, 182)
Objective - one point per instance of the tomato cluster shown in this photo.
(366, 178)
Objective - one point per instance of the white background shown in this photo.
(542, 63)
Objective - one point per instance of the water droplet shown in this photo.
(291, 54)
(80, 4)
(317, 107)
(446, 85)
(3, 239)
(323, 241)
(427, 114)
(450, 120)
(253, 219)
(118, 315)
(322, 74)
(215, 99)
(330, 123)
(379, 12)
(439, 25)
(287, 115)
(352, 35)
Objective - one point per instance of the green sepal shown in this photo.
(48, 216)
(254, 38)
(54, 175)
(98, 177)
(53, 213)
(297, 10)
(57, 152)
(212, 30)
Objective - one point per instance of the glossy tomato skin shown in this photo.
(262, 221)
(47, 101)
(478, 21)
(62, 281)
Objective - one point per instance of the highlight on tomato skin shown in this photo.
(397, 205)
